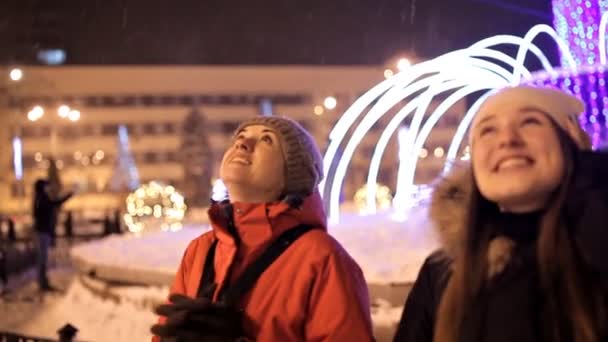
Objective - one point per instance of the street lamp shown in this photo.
(35, 113)
(403, 63)
(74, 115)
(63, 111)
(318, 110)
(16, 74)
(330, 102)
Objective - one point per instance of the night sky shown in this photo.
(318, 32)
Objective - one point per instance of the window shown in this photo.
(150, 157)
(185, 100)
(148, 100)
(129, 101)
(87, 130)
(108, 101)
(149, 129)
(229, 127)
(206, 99)
(172, 156)
(91, 101)
(28, 132)
(17, 189)
(161, 157)
(168, 100)
(289, 99)
(170, 128)
(109, 129)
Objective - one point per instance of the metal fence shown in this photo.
(11, 337)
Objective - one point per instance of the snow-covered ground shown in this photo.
(122, 313)
(144, 259)
(388, 251)
(101, 313)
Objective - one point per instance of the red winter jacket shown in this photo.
(313, 292)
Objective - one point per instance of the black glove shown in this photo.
(198, 319)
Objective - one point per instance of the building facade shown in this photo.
(155, 104)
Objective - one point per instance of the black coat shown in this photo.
(509, 308)
(45, 211)
(418, 318)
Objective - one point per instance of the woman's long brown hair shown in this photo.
(572, 298)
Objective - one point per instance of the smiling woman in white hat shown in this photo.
(524, 231)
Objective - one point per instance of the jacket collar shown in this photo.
(253, 224)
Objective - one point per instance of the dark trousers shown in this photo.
(43, 244)
(3, 270)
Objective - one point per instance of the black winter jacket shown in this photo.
(45, 212)
(509, 307)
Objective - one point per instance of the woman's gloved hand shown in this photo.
(198, 319)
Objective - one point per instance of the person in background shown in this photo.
(108, 226)
(268, 270)
(117, 222)
(524, 231)
(3, 257)
(11, 232)
(44, 211)
(68, 225)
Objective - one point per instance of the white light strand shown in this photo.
(602, 38)
(462, 72)
(524, 47)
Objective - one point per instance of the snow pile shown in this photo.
(388, 251)
(100, 312)
(144, 259)
(385, 315)
(124, 313)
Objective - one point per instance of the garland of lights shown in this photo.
(383, 197)
(154, 203)
(460, 73)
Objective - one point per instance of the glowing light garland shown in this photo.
(576, 22)
(154, 203)
(459, 73)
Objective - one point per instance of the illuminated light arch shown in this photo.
(602, 38)
(475, 69)
(527, 42)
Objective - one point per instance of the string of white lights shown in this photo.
(477, 68)
(602, 38)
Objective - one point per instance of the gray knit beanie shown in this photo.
(303, 160)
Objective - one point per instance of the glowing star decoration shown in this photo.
(384, 198)
(155, 205)
(430, 88)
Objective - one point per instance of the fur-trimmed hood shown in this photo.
(448, 211)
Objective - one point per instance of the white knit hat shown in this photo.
(560, 106)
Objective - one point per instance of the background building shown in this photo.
(165, 109)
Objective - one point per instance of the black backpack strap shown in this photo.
(207, 283)
(232, 294)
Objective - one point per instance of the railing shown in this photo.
(12, 337)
